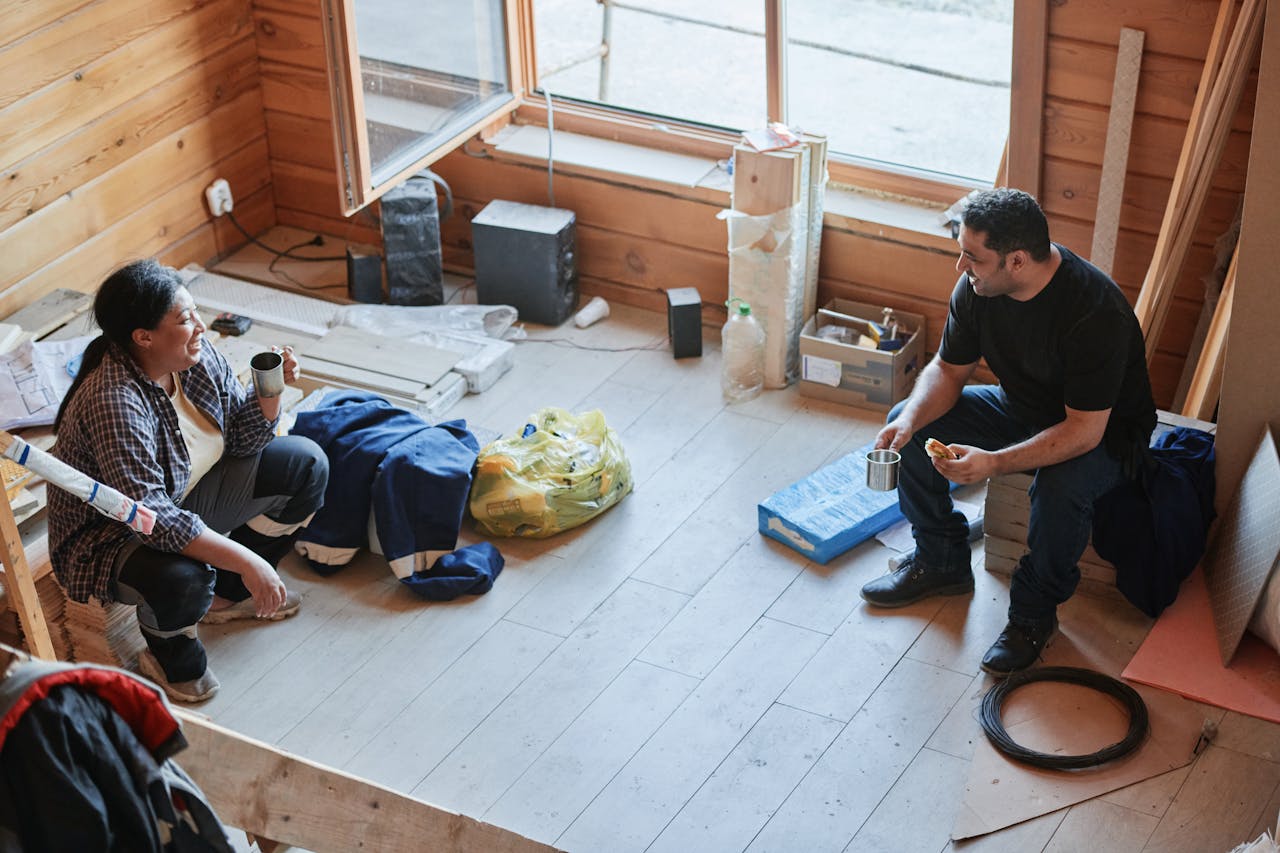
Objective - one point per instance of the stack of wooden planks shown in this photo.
(1233, 49)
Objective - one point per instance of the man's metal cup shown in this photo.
(882, 470)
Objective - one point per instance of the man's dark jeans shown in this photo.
(1062, 498)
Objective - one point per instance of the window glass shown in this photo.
(697, 62)
(917, 83)
(427, 71)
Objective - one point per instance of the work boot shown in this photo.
(1019, 645)
(913, 582)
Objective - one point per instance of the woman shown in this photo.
(157, 413)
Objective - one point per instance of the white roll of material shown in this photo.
(595, 310)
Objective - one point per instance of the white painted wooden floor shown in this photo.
(666, 679)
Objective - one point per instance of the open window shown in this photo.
(915, 96)
(410, 84)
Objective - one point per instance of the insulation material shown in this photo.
(1181, 655)
(476, 332)
(767, 271)
(829, 511)
(817, 199)
(101, 497)
(1246, 547)
(768, 250)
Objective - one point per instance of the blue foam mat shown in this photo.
(829, 511)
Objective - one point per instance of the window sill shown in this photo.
(909, 221)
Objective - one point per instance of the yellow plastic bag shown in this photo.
(562, 471)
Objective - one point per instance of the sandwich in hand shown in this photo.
(938, 450)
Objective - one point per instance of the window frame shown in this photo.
(1021, 166)
(351, 138)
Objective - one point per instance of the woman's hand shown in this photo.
(264, 585)
(292, 372)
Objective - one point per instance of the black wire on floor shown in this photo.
(993, 705)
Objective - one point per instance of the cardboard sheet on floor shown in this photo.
(1002, 792)
(1181, 655)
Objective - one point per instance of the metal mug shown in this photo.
(882, 470)
(268, 374)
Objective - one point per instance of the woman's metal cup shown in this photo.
(882, 470)
(268, 374)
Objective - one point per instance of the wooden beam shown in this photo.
(1206, 136)
(1115, 158)
(775, 52)
(1206, 383)
(1026, 101)
(275, 795)
(22, 587)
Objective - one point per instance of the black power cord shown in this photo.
(993, 705)
(287, 253)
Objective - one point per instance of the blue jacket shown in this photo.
(414, 477)
(1154, 529)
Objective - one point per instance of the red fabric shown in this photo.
(137, 703)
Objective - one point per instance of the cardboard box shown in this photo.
(859, 375)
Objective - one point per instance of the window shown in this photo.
(409, 87)
(913, 95)
(921, 85)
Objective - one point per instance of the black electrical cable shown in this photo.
(993, 705)
(286, 253)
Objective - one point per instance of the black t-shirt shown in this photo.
(1077, 343)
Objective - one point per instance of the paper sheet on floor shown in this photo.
(34, 377)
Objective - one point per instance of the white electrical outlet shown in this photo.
(218, 195)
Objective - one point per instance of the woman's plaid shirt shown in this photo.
(121, 430)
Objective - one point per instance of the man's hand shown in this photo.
(894, 435)
(972, 465)
(264, 585)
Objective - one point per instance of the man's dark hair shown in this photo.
(1010, 219)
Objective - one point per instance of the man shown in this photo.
(1073, 405)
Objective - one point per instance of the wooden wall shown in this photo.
(1083, 35)
(115, 114)
(634, 241)
(114, 117)
(299, 117)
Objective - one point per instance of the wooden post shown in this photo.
(1115, 157)
(1206, 384)
(22, 587)
(1026, 101)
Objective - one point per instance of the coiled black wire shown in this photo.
(993, 705)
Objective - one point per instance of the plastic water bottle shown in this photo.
(742, 342)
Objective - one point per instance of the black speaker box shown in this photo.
(684, 321)
(411, 241)
(525, 258)
(364, 277)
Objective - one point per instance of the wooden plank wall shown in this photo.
(114, 117)
(1083, 38)
(299, 117)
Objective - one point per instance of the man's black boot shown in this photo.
(1019, 646)
(913, 582)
